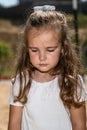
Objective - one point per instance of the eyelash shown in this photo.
(51, 50)
(47, 50)
(34, 50)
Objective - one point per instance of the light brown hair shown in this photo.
(68, 66)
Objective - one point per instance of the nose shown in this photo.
(42, 56)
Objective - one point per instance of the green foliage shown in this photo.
(6, 72)
(5, 51)
(82, 19)
(84, 48)
(73, 38)
(85, 42)
(6, 54)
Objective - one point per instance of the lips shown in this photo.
(43, 65)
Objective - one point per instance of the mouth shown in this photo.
(43, 65)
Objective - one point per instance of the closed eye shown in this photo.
(51, 50)
(34, 50)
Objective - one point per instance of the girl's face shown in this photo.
(44, 49)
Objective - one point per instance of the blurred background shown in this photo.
(13, 15)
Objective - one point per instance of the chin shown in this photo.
(44, 70)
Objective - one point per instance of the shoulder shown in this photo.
(15, 85)
(81, 81)
(82, 86)
(19, 81)
(14, 91)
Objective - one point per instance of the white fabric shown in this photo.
(44, 109)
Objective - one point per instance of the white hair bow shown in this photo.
(44, 8)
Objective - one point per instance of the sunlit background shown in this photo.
(8, 3)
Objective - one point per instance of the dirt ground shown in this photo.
(4, 107)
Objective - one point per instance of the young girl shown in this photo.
(47, 92)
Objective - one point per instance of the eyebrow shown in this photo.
(53, 47)
(46, 47)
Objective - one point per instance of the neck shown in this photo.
(42, 77)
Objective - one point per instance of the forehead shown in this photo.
(43, 35)
(39, 30)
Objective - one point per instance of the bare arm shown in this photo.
(78, 118)
(15, 118)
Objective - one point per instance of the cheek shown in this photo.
(53, 59)
(56, 57)
(57, 54)
(33, 58)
